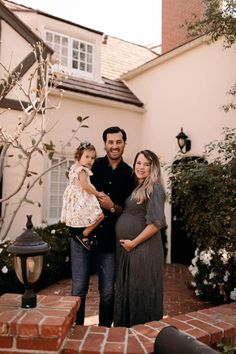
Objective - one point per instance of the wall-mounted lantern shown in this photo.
(28, 251)
(184, 142)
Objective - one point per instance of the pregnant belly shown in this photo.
(129, 226)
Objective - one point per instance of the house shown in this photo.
(117, 83)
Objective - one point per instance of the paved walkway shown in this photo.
(178, 298)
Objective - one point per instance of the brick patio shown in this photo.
(49, 328)
(178, 298)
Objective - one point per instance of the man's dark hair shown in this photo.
(113, 130)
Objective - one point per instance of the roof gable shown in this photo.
(24, 65)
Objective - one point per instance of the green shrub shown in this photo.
(205, 191)
(8, 279)
(57, 261)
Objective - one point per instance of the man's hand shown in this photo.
(105, 202)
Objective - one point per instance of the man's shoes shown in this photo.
(84, 241)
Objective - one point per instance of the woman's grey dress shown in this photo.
(139, 280)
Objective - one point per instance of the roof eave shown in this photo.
(19, 26)
(165, 57)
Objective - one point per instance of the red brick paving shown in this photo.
(178, 298)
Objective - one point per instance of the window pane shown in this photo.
(82, 56)
(82, 66)
(57, 39)
(65, 41)
(89, 68)
(57, 185)
(75, 45)
(54, 187)
(53, 212)
(64, 51)
(75, 54)
(82, 46)
(49, 37)
(64, 61)
(89, 58)
(89, 48)
(57, 49)
(74, 64)
(53, 200)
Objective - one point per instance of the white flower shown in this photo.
(224, 255)
(233, 294)
(4, 269)
(1, 249)
(194, 260)
(206, 256)
(205, 282)
(67, 259)
(43, 224)
(226, 276)
(193, 284)
(193, 270)
(53, 231)
(196, 252)
(197, 292)
(211, 275)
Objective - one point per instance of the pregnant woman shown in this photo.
(140, 260)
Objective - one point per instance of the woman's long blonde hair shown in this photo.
(144, 190)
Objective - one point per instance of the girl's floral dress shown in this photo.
(79, 209)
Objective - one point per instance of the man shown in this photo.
(113, 177)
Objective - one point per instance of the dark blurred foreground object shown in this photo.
(172, 341)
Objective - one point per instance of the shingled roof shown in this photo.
(114, 90)
(118, 57)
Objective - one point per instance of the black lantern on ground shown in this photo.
(184, 142)
(28, 250)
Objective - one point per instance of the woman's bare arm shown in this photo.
(148, 232)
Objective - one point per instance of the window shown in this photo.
(74, 55)
(58, 182)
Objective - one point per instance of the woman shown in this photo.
(140, 260)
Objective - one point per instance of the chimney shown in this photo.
(174, 14)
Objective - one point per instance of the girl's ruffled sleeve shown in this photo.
(83, 168)
(155, 207)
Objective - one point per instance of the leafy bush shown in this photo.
(8, 279)
(205, 191)
(57, 261)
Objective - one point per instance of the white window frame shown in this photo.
(88, 60)
(58, 189)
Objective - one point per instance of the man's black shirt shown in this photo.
(118, 184)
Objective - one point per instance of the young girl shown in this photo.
(81, 210)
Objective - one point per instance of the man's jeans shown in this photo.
(81, 264)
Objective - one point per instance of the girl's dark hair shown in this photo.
(82, 147)
(113, 130)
